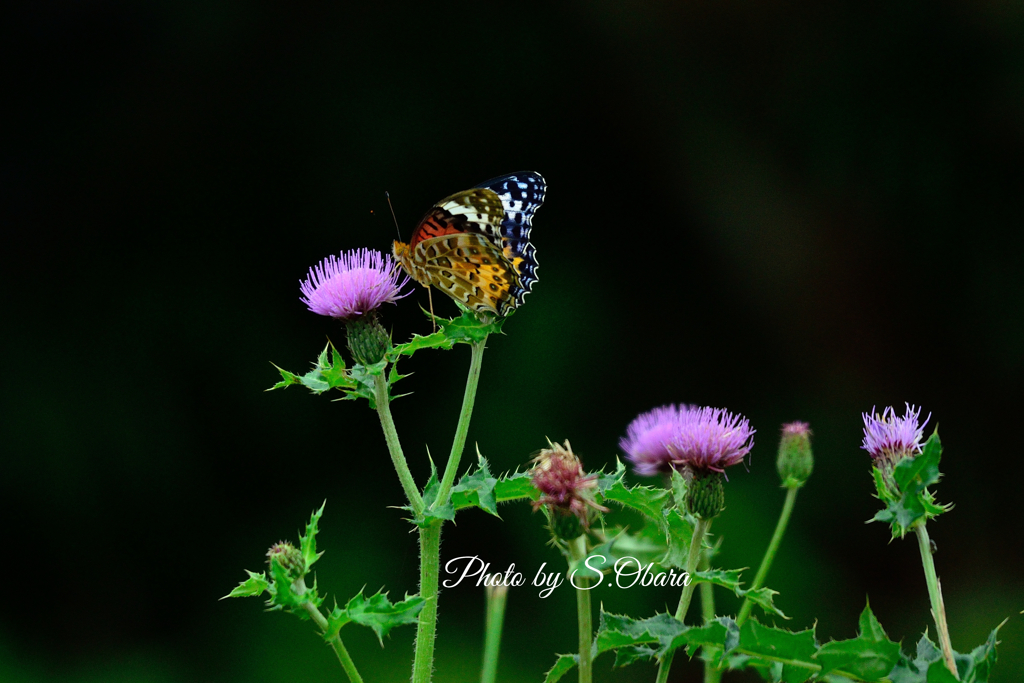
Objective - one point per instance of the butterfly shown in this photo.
(475, 245)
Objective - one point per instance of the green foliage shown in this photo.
(375, 612)
(481, 489)
(253, 586)
(476, 489)
(286, 586)
(325, 375)
(729, 579)
(905, 490)
(928, 667)
(870, 655)
(781, 655)
(307, 542)
(563, 665)
(656, 505)
(470, 327)
(433, 515)
(330, 372)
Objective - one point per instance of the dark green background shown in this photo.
(790, 210)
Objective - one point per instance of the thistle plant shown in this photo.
(904, 469)
(567, 498)
(686, 450)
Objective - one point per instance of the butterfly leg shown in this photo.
(430, 298)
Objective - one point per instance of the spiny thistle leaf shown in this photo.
(869, 656)
(376, 612)
(256, 584)
(477, 489)
(437, 340)
(468, 328)
(515, 486)
(911, 502)
(780, 645)
(431, 515)
(625, 656)
(307, 542)
(563, 665)
(616, 631)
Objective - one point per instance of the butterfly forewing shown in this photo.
(521, 194)
(479, 210)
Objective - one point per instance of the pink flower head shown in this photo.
(353, 284)
(710, 439)
(796, 429)
(558, 475)
(674, 437)
(647, 437)
(888, 439)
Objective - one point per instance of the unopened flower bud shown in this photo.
(796, 461)
(706, 495)
(289, 558)
(367, 339)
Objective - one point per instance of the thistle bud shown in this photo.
(796, 461)
(367, 339)
(289, 558)
(567, 494)
(706, 494)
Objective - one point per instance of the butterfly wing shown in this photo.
(471, 269)
(521, 194)
(479, 210)
(474, 245)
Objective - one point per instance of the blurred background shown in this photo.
(790, 210)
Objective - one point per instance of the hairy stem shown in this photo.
(426, 626)
(707, 609)
(430, 535)
(339, 648)
(459, 442)
(935, 595)
(578, 550)
(769, 554)
(380, 395)
(696, 542)
(495, 620)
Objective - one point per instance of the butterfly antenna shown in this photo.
(387, 196)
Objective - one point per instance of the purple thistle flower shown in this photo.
(647, 437)
(353, 284)
(710, 439)
(888, 439)
(706, 439)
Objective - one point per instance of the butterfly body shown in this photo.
(475, 245)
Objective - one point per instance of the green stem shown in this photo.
(339, 648)
(468, 399)
(426, 626)
(699, 531)
(578, 551)
(935, 595)
(707, 608)
(769, 554)
(707, 593)
(380, 395)
(496, 597)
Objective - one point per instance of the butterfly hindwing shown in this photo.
(471, 269)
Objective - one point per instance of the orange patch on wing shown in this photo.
(431, 227)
